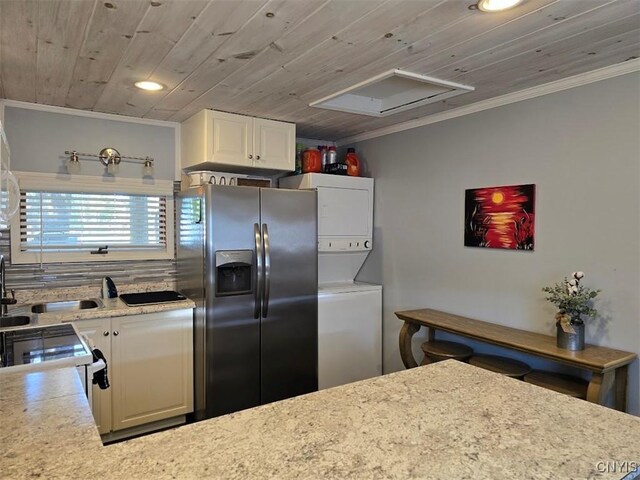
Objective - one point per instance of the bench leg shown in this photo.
(599, 387)
(431, 334)
(407, 332)
(621, 388)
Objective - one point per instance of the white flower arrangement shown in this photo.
(572, 299)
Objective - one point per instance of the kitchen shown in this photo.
(577, 140)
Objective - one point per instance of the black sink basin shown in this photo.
(14, 321)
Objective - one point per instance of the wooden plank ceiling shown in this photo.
(270, 58)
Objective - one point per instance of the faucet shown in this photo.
(4, 300)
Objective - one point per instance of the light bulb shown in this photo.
(73, 166)
(112, 168)
(497, 5)
(147, 169)
(149, 86)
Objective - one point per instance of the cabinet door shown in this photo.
(231, 139)
(274, 144)
(152, 367)
(99, 332)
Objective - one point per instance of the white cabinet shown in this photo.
(212, 140)
(231, 139)
(274, 144)
(150, 359)
(152, 365)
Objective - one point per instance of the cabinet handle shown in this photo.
(116, 333)
(105, 333)
(250, 157)
(257, 157)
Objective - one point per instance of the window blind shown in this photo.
(4, 197)
(82, 222)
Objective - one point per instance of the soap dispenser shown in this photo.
(109, 289)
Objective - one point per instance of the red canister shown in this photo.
(311, 161)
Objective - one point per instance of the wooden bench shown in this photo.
(559, 383)
(608, 367)
(504, 366)
(438, 350)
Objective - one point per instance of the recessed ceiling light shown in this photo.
(151, 86)
(497, 5)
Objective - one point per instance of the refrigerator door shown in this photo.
(232, 337)
(289, 313)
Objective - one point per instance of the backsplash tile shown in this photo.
(65, 275)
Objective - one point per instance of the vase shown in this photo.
(568, 340)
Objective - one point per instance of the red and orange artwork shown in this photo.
(500, 217)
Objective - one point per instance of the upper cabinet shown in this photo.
(274, 144)
(229, 140)
(212, 140)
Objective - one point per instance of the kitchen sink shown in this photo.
(66, 306)
(14, 321)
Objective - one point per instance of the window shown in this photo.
(72, 226)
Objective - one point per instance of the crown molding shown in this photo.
(87, 113)
(611, 71)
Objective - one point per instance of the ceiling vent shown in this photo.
(391, 92)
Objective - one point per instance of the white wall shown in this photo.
(38, 140)
(581, 148)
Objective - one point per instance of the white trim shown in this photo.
(57, 182)
(88, 113)
(19, 257)
(177, 172)
(526, 94)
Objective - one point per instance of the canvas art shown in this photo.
(500, 217)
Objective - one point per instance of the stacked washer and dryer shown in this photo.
(349, 312)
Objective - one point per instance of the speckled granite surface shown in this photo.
(75, 293)
(442, 421)
(112, 307)
(45, 424)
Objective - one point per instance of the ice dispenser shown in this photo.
(233, 272)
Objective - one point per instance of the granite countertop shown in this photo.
(112, 307)
(442, 421)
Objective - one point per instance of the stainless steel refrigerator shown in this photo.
(248, 257)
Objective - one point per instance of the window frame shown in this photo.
(65, 183)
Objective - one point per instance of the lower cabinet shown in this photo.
(150, 359)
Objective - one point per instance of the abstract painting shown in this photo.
(500, 217)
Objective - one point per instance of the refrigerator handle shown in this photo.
(258, 272)
(267, 270)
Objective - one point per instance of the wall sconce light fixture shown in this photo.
(110, 158)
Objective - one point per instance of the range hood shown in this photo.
(391, 92)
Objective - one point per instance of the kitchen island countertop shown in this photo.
(442, 421)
